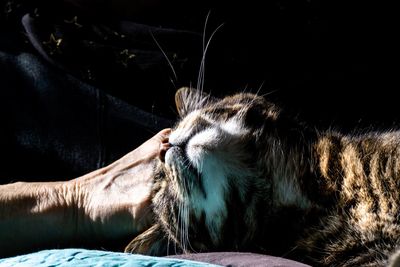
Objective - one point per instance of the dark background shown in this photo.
(335, 63)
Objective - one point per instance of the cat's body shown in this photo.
(241, 175)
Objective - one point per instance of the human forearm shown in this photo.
(96, 209)
(36, 215)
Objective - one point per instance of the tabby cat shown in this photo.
(241, 175)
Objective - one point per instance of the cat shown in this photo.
(243, 175)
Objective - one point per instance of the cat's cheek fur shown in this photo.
(215, 172)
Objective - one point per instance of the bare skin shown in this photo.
(103, 206)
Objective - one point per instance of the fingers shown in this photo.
(152, 149)
(163, 149)
(163, 135)
(164, 143)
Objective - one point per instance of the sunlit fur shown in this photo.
(241, 175)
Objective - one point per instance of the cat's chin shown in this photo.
(181, 165)
(176, 156)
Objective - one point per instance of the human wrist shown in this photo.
(35, 216)
(111, 202)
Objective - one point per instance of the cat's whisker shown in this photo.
(201, 76)
(200, 79)
(246, 87)
(259, 88)
(185, 227)
(168, 243)
(205, 52)
(183, 214)
(269, 93)
(178, 221)
(168, 60)
(284, 255)
(182, 229)
(249, 103)
(181, 238)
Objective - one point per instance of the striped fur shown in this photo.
(242, 175)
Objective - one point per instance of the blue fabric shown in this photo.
(86, 258)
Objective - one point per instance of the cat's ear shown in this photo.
(189, 99)
(151, 242)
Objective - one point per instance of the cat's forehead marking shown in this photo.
(234, 126)
(183, 130)
(190, 119)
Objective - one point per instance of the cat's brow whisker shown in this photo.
(270, 93)
(205, 52)
(260, 87)
(246, 87)
(200, 78)
(166, 57)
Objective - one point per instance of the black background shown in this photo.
(333, 62)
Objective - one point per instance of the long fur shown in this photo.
(242, 175)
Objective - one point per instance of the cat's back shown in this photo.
(350, 159)
(362, 174)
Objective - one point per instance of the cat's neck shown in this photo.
(292, 173)
(301, 165)
(290, 170)
(289, 166)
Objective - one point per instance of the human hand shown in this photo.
(113, 202)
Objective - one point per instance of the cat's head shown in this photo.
(212, 181)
